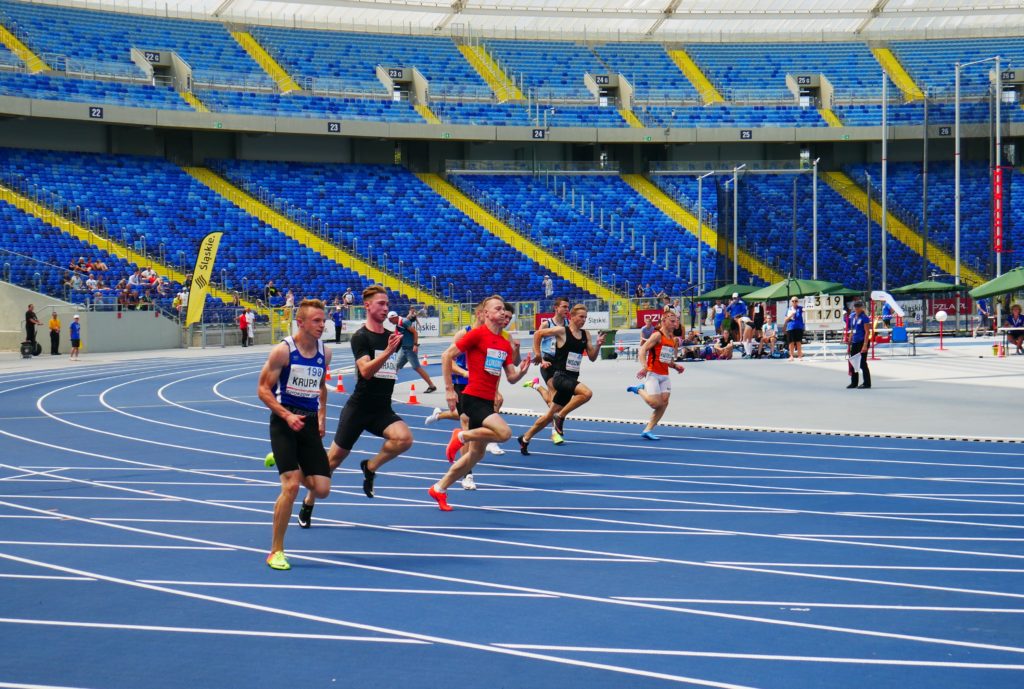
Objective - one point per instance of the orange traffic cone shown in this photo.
(327, 376)
(341, 385)
(412, 394)
(425, 362)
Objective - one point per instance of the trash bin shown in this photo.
(608, 350)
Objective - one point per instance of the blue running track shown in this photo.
(135, 513)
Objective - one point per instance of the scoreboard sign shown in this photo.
(823, 312)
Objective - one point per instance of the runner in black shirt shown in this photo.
(369, 407)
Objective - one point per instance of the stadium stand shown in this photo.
(649, 70)
(305, 105)
(394, 217)
(931, 62)
(552, 69)
(60, 88)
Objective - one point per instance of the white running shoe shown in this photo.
(494, 449)
(433, 417)
(468, 483)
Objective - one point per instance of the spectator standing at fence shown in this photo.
(76, 337)
(250, 326)
(269, 291)
(348, 299)
(244, 327)
(54, 335)
(549, 288)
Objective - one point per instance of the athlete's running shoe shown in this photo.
(430, 388)
(368, 477)
(524, 446)
(305, 518)
(454, 445)
(442, 499)
(557, 438)
(495, 449)
(647, 435)
(432, 419)
(278, 561)
(532, 383)
(559, 423)
(635, 389)
(469, 483)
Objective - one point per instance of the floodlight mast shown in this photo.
(735, 223)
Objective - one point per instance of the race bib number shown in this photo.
(389, 371)
(495, 361)
(304, 381)
(573, 361)
(668, 355)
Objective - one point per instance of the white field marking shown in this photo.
(221, 484)
(219, 522)
(1008, 515)
(48, 577)
(60, 544)
(88, 497)
(474, 556)
(852, 606)
(581, 597)
(206, 630)
(26, 516)
(16, 685)
(383, 630)
(353, 589)
(529, 529)
(908, 538)
(761, 656)
(899, 568)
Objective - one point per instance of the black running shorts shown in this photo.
(355, 419)
(547, 373)
(477, 409)
(794, 336)
(564, 387)
(302, 450)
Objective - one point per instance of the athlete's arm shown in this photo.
(321, 415)
(594, 350)
(515, 374)
(367, 366)
(447, 365)
(646, 347)
(269, 377)
(557, 331)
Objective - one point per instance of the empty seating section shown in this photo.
(551, 69)
(561, 227)
(495, 114)
(913, 113)
(102, 41)
(9, 59)
(752, 70)
(350, 59)
(388, 214)
(930, 63)
(150, 198)
(303, 105)
(905, 195)
(722, 115)
(45, 87)
(649, 70)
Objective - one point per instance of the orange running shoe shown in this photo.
(442, 499)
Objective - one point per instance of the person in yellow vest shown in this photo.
(54, 335)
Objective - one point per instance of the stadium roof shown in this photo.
(662, 20)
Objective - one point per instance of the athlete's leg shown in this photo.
(580, 396)
(397, 439)
(494, 429)
(658, 410)
(335, 456)
(290, 481)
(541, 423)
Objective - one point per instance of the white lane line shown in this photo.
(809, 606)
(59, 544)
(909, 538)
(474, 556)
(353, 589)
(88, 497)
(636, 532)
(207, 630)
(761, 656)
(47, 577)
(599, 599)
(18, 685)
(381, 630)
(898, 568)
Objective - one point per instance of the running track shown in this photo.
(136, 516)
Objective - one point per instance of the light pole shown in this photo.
(700, 229)
(885, 170)
(735, 223)
(814, 219)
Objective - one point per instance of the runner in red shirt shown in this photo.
(487, 354)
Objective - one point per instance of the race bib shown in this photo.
(495, 361)
(389, 371)
(668, 355)
(573, 361)
(304, 381)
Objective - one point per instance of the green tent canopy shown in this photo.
(727, 291)
(1010, 281)
(929, 287)
(793, 287)
(846, 292)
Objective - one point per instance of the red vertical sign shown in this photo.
(997, 209)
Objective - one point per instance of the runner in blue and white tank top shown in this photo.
(546, 351)
(292, 385)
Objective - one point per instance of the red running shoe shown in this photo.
(442, 499)
(454, 445)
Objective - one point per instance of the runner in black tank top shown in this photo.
(569, 393)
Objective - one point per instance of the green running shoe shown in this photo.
(278, 561)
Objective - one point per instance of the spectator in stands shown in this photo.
(135, 279)
(144, 302)
(348, 298)
(121, 285)
(1015, 321)
(76, 281)
(639, 291)
(984, 316)
(549, 288)
(30, 326)
(235, 299)
(124, 300)
(269, 292)
(73, 266)
(54, 335)
(244, 327)
(91, 283)
(99, 265)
